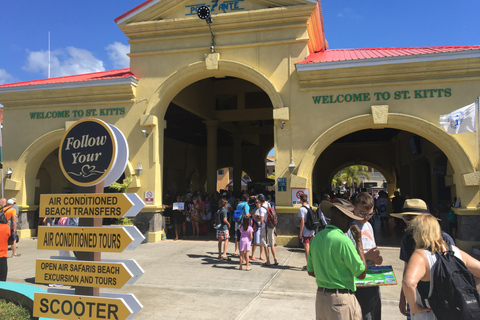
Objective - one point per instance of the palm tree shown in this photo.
(351, 176)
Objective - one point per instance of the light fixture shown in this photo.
(203, 12)
(291, 166)
(282, 123)
(9, 172)
(145, 133)
(138, 169)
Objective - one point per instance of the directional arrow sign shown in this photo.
(138, 204)
(130, 264)
(100, 205)
(129, 298)
(82, 273)
(65, 306)
(96, 239)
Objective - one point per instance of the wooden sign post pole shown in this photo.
(89, 256)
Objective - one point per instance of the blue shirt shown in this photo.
(243, 206)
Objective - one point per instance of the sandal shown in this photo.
(267, 265)
(276, 263)
(253, 259)
(263, 259)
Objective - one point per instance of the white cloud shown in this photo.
(349, 14)
(117, 52)
(63, 62)
(5, 77)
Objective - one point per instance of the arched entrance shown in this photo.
(458, 160)
(216, 118)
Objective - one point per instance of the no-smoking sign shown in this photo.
(296, 193)
(149, 197)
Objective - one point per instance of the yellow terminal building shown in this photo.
(202, 95)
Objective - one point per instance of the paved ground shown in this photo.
(184, 280)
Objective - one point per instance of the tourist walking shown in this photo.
(246, 235)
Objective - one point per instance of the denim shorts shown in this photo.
(256, 237)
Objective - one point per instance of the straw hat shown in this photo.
(412, 207)
(343, 205)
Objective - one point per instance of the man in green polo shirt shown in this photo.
(335, 262)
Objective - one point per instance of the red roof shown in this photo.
(104, 75)
(331, 55)
(133, 10)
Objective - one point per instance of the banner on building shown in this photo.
(461, 120)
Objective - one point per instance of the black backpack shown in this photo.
(217, 220)
(312, 222)
(454, 294)
(320, 215)
(3, 219)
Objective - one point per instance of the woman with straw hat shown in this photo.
(417, 280)
(412, 208)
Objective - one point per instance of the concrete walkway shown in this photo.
(184, 280)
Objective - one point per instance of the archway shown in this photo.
(414, 128)
(227, 121)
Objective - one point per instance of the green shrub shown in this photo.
(11, 311)
(125, 221)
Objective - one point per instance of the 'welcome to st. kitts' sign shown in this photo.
(88, 152)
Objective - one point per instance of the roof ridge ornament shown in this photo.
(203, 12)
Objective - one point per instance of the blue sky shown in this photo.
(84, 37)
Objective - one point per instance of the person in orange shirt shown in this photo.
(11, 215)
(4, 235)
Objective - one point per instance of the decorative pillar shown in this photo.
(237, 163)
(212, 127)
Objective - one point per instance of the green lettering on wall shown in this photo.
(382, 96)
(79, 113)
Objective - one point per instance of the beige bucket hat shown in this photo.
(343, 205)
(412, 207)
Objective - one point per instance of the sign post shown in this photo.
(92, 154)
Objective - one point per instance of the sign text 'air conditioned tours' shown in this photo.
(99, 239)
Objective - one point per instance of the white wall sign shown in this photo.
(296, 193)
(149, 197)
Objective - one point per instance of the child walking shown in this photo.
(246, 235)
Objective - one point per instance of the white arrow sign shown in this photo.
(138, 205)
(135, 234)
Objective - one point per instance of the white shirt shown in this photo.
(262, 212)
(302, 213)
(368, 237)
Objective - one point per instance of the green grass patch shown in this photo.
(11, 311)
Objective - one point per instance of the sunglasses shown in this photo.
(363, 214)
(408, 218)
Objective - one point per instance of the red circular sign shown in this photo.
(299, 193)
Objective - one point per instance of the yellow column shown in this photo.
(212, 126)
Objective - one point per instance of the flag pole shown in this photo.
(477, 102)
